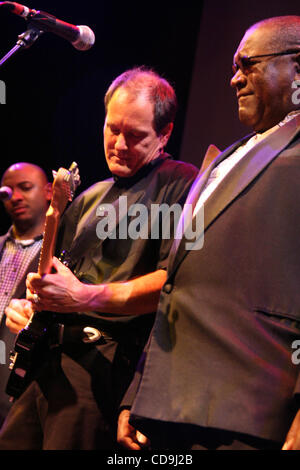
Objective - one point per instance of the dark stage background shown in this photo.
(54, 112)
(54, 105)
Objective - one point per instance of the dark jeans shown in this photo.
(60, 411)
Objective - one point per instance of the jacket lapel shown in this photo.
(211, 153)
(197, 187)
(244, 172)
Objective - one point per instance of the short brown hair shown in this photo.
(158, 90)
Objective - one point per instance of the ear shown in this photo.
(165, 134)
(48, 191)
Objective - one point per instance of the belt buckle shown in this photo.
(92, 334)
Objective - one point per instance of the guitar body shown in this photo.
(31, 344)
(29, 353)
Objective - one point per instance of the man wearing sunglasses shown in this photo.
(222, 368)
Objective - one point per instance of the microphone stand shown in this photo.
(25, 40)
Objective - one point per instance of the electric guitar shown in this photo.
(31, 341)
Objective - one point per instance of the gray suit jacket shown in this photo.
(221, 349)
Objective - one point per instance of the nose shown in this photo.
(16, 195)
(239, 80)
(121, 142)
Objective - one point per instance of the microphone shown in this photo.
(5, 193)
(81, 37)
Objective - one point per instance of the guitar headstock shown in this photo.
(64, 186)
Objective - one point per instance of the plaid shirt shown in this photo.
(16, 255)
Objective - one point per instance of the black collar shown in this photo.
(141, 173)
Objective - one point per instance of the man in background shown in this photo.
(19, 248)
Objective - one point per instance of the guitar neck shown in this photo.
(49, 241)
(63, 187)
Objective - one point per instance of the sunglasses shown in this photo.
(247, 62)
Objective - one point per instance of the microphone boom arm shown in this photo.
(25, 40)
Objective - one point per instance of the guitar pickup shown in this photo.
(12, 358)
